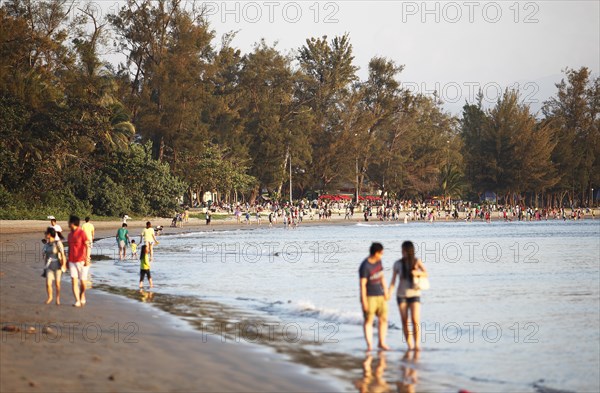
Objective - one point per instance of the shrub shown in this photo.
(110, 198)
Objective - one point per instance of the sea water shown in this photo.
(512, 306)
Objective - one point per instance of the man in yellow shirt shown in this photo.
(89, 230)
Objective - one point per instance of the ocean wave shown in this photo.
(381, 224)
(308, 310)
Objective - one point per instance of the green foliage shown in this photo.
(60, 203)
(148, 185)
(213, 169)
(5, 198)
(451, 182)
(182, 116)
(510, 150)
(575, 114)
(110, 198)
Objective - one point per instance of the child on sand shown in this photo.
(145, 266)
(133, 249)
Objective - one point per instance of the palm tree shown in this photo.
(121, 129)
(452, 182)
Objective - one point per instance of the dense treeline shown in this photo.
(184, 115)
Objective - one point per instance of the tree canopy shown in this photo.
(186, 113)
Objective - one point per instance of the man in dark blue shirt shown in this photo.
(373, 295)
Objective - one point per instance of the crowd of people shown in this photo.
(374, 293)
(77, 257)
(80, 239)
(291, 215)
(434, 210)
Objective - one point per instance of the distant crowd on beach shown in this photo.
(81, 237)
(377, 209)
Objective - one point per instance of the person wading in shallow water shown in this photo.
(148, 238)
(374, 295)
(409, 298)
(122, 240)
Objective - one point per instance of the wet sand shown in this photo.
(114, 343)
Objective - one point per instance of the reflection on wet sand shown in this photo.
(235, 325)
(408, 372)
(146, 296)
(373, 381)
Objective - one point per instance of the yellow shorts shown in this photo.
(377, 306)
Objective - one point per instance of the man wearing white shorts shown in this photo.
(79, 260)
(79, 271)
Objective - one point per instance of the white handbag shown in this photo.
(421, 283)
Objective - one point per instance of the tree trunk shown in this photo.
(254, 194)
(190, 195)
(158, 147)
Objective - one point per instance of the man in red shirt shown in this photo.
(79, 259)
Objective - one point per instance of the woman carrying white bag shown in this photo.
(413, 279)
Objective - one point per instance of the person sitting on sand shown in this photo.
(374, 295)
(145, 266)
(409, 299)
(56, 262)
(79, 260)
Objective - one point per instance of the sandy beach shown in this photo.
(114, 343)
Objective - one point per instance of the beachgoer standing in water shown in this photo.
(122, 241)
(374, 295)
(133, 249)
(56, 262)
(148, 237)
(89, 230)
(409, 298)
(145, 267)
(79, 260)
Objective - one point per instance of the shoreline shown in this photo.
(119, 344)
(10, 227)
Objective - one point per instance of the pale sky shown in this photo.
(454, 47)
